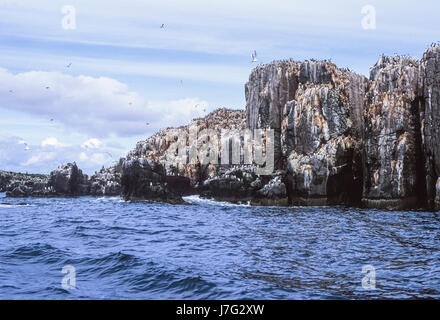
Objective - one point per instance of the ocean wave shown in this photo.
(41, 252)
(196, 199)
(108, 199)
(14, 205)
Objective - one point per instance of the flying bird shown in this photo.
(26, 147)
(47, 87)
(108, 153)
(162, 26)
(148, 123)
(51, 120)
(11, 91)
(254, 56)
(68, 66)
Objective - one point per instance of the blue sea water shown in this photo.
(213, 250)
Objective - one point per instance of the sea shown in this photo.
(107, 248)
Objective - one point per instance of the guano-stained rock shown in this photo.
(315, 109)
(393, 162)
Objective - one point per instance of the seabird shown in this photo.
(254, 56)
(68, 66)
(47, 87)
(26, 147)
(11, 91)
(148, 123)
(162, 26)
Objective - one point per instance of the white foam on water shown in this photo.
(195, 199)
(4, 205)
(108, 199)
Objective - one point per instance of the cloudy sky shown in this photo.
(86, 92)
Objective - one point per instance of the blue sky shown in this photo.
(126, 71)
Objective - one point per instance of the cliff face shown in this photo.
(393, 167)
(430, 123)
(342, 138)
(315, 109)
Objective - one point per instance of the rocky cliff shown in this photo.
(315, 109)
(429, 108)
(346, 139)
(392, 138)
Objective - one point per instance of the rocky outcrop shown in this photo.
(241, 184)
(144, 179)
(315, 109)
(393, 159)
(171, 147)
(10, 180)
(68, 181)
(107, 181)
(430, 123)
(208, 175)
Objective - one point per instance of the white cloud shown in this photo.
(39, 158)
(97, 106)
(45, 158)
(52, 142)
